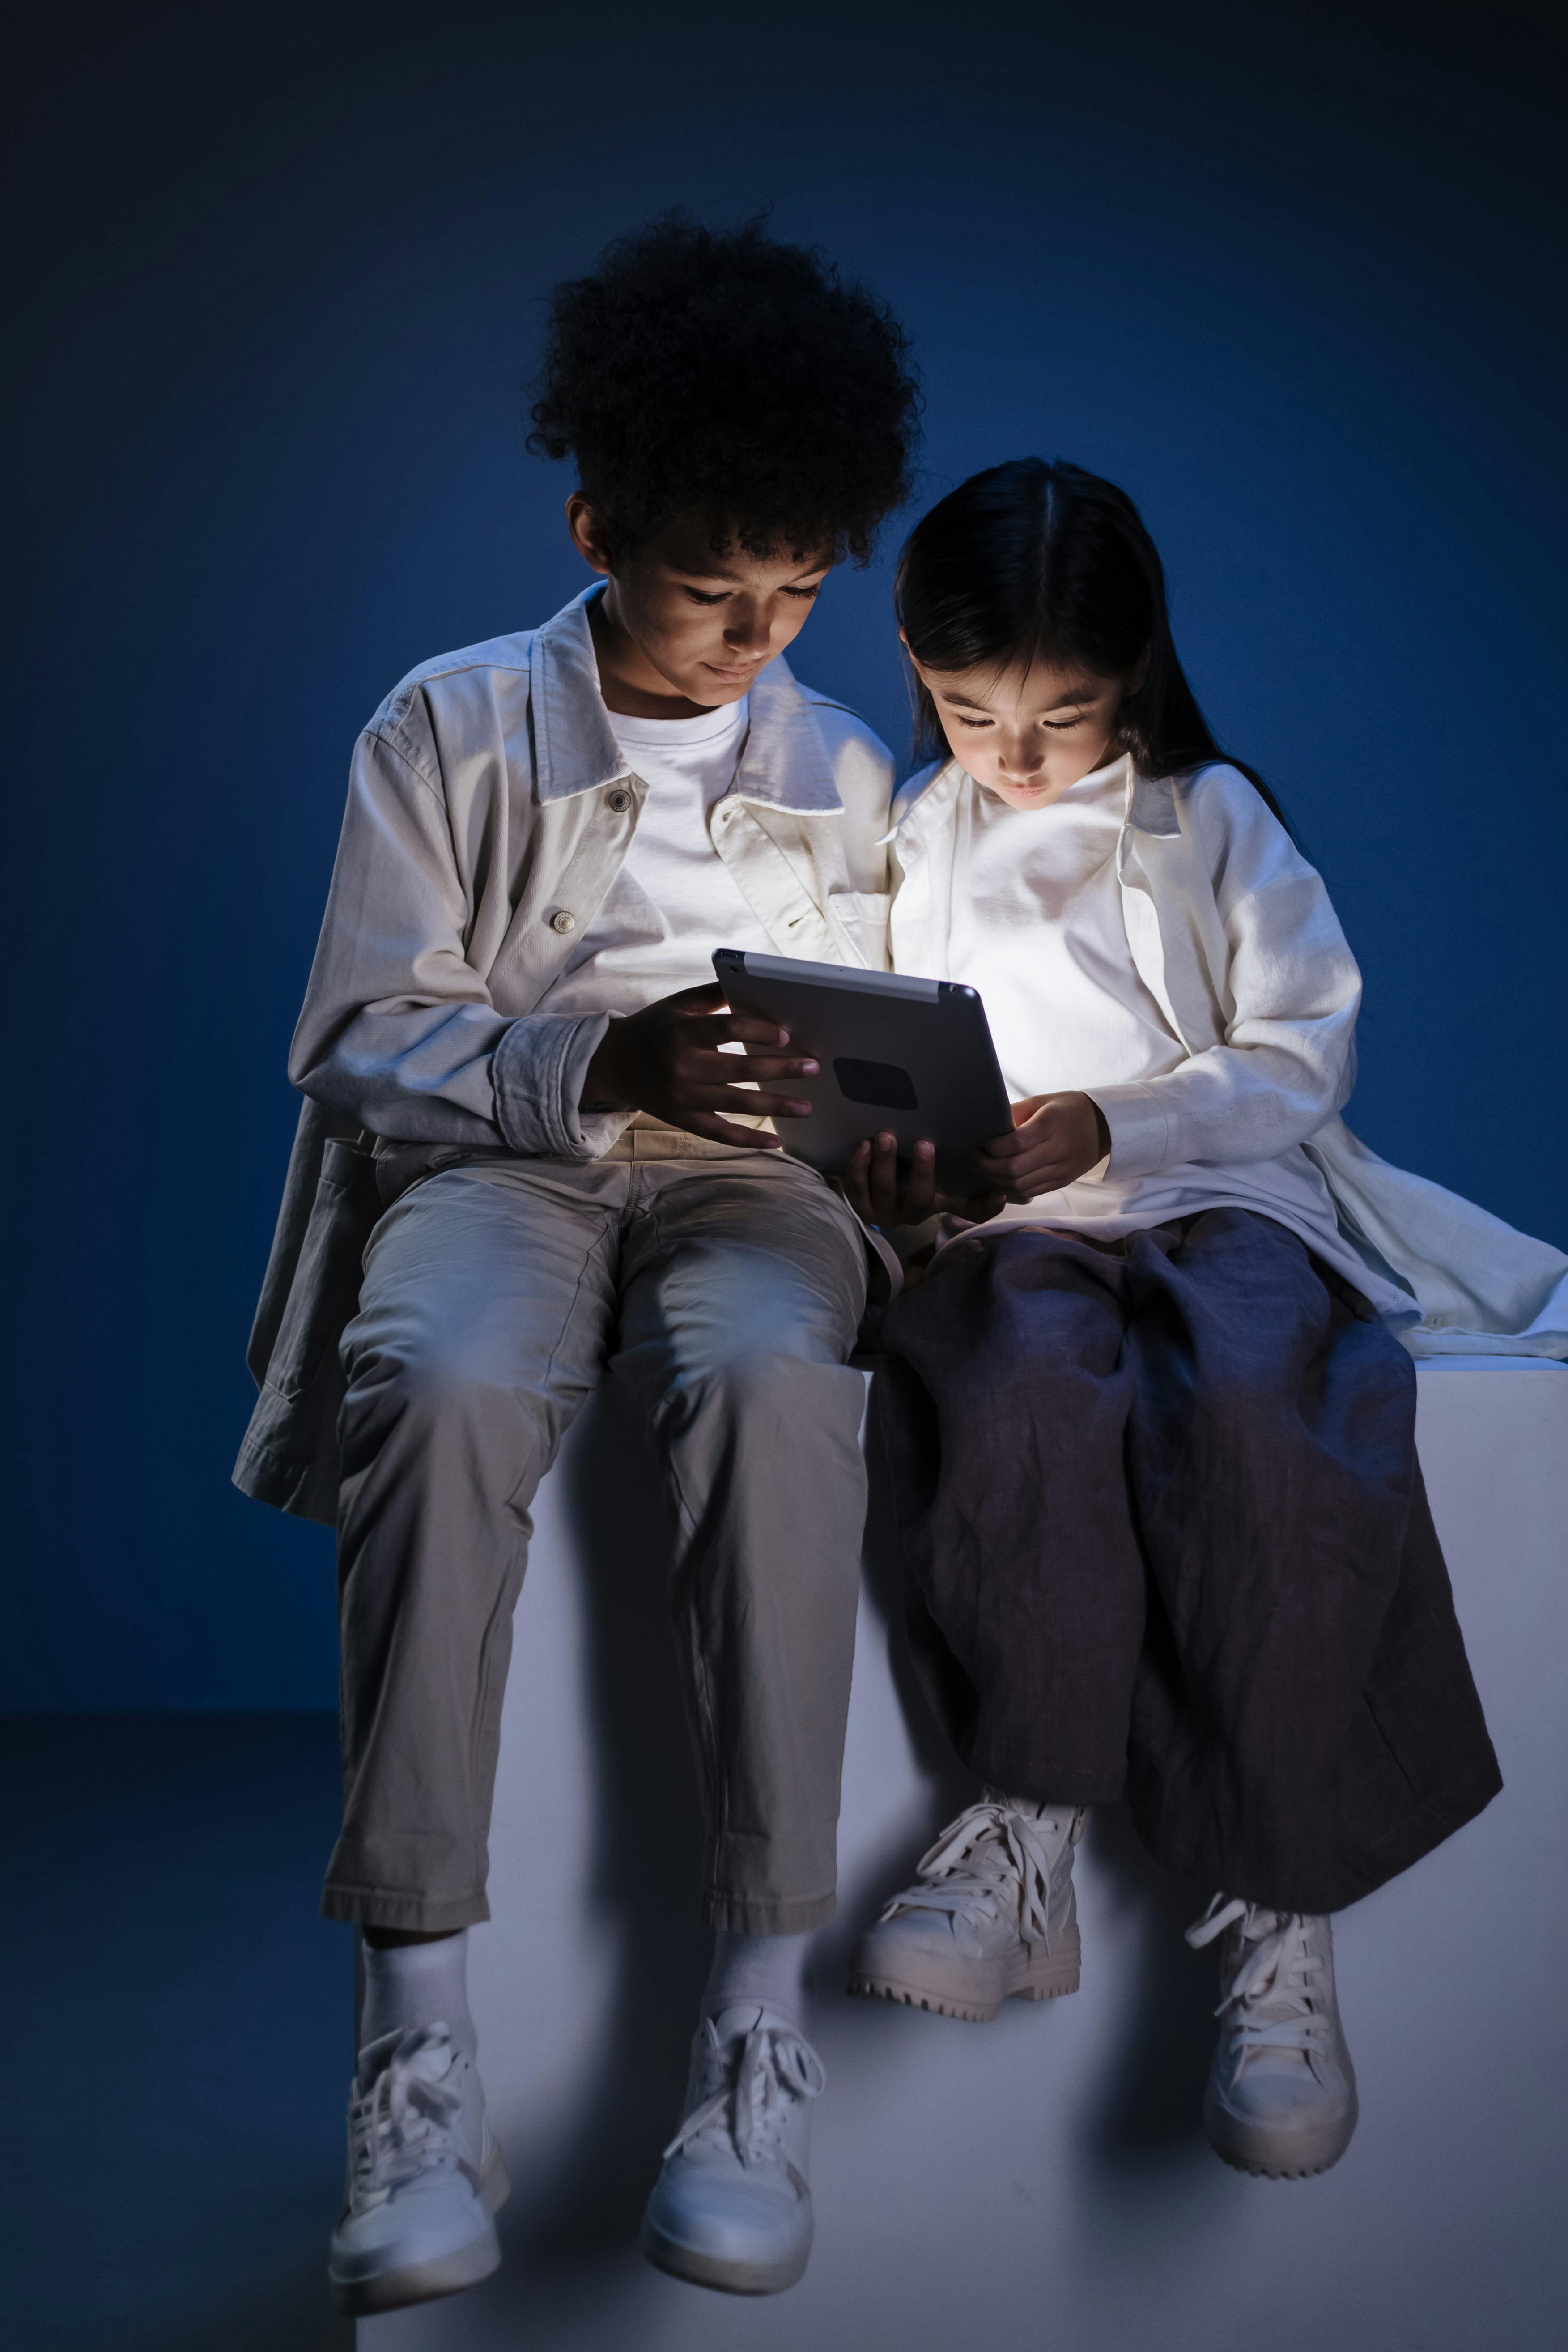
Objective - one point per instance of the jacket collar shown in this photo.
(785, 764)
(928, 788)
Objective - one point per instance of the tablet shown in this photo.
(907, 1057)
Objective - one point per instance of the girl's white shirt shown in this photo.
(1165, 947)
(1037, 928)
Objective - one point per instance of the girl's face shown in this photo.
(1028, 734)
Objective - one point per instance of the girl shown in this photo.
(1150, 1429)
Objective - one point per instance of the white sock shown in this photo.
(408, 1985)
(766, 1970)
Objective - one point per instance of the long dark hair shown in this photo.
(1035, 563)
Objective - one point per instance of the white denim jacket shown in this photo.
(490, 809)
(1233, 933)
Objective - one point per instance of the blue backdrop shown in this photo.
(1292, 275)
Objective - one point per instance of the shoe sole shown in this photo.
(1230, 2143)
(446, 2274)
(708, 2270)
(1048, 1977)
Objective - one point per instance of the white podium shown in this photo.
(1041, 2181)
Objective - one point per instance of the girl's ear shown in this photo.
(1139, 674)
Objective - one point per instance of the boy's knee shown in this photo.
(432, 1381)
(764, 1387)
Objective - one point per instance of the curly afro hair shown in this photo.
(718, 372)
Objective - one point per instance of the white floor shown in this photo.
(1041, 2181)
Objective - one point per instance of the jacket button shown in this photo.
(563, 922)
(620, 800)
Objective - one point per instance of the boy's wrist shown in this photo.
(603, 1079)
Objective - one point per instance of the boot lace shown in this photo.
(760, 2090)
(402, 2122)
(1271, 2003)
(989, 1864)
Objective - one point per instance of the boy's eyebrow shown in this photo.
(718, 570)
(705, 572)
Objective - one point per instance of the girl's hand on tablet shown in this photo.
(1056, 1139)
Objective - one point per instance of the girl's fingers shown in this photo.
(1023, 1181)
(998, 1171)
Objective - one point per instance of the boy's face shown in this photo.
(680, 625)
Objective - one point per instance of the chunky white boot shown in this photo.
(1281, 2099)
(995, 1914)
(424, 2177)
(731, 2208)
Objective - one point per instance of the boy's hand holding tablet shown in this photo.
(667, 1060)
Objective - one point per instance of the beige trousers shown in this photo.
(726, 1293)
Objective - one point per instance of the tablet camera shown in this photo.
(882, 1084)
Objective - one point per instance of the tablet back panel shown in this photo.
(907, 1057)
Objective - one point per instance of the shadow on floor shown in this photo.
(1150, 2114)
(190, 2014)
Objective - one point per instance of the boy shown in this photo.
(512, 1011)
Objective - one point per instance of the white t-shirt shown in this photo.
(673, 901)
(1037, 928)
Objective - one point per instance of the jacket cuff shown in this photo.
(537, 1071)
(1139, 1125)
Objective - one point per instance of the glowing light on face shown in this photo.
(1030, 733)
(683, 622)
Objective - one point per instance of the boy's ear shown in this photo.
(588, 537)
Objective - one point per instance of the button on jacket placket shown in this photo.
(605, 822)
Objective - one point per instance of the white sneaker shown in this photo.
(731, 2208)
(995, 1914)
(1281, 2099)
(424, 2177)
